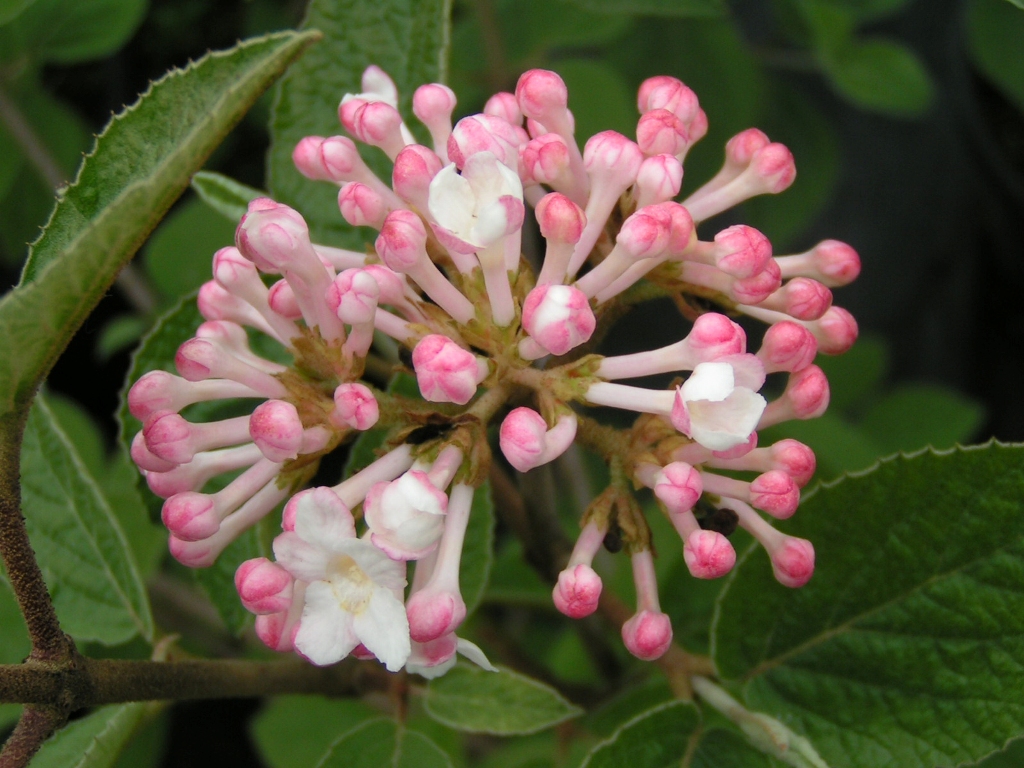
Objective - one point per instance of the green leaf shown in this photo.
(838, 445)
(478, 549)
(721, 748)
(60, 32)
(383, 742)
(141, 163)
(907, 647)
(228, 197)
(408, 39)
(880, 75)
(916, 415)
(95, 741)
(628, 704)
(296, 731)
(685, 8)
(9, 9)
(1011, 757)
(655, 739)
(855, 376)
(533, 27)
(179, 254)
(82, 550)
(513, 581)
(119, 334)
(599, 97)
(503, 703)
(994, 34)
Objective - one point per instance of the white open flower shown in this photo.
(406, 516)
(713, 410)
(479, 206)
(354, 592)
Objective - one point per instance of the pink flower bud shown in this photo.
(678, 487)
(644, 234)
(353, 296)
(742, 251)
(376, 123)
(354, 406)
(403, 240)
(613, 158)
(281, 298)
(264, 587)
(546, 160)
(664, 92)
(659, 179)
(806, 397)
(432, 102)
(647, 635)
(754, 290)
(169, 437)
(837, 263)
(776, 493)
(558, 317)
(271, 630)
(543, 97)
(333, 159)
(433, 614)
(714, 335)
(787, 346)
(191, 516)
(800, 298)
(659, 132)
(146, 459)
(275, 427)
(795, 459)
(389, 283)
(577, 591)
(774, 166)
(415, 167)
(792, 561)
(485, 133)
(445, 372)
(504, 105)
(272, 235)
(742, 147)
(362, 206)
(527, 442)
(560, 218)
(836, 331)
(708, 554)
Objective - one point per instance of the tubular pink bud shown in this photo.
(546, 160)
(806, 397)
(832, 262)
(415, 167)
(577, 591)
(659, 132)
(543, 97)
(771, 169)
(504, 105)
(433, 104)
(678, 486)
(275, 427)
(264, 587)
(664, 92)
(354, 406)
(787, 346)
(281, 299)
(353, 296)
(445, 372)
(159, 391)
(740, 251)
(776, 493)
(146, 459)
(659, 179)
(800, 298)
(647, 635)
(562, 222)
(376, 123)
(708, 554)
(527, 442)
(795, 459)
(169, 437)
(836, 331)
(403, 241)
(793, 562)
(485, 133)
(362, 206)
(558, 318)
(190, 516)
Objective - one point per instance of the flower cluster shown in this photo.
(487, 330)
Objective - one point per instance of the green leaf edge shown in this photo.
(636, 719)
(829, 485)
(572, 709)
(18, 386)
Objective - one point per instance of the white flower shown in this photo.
(476, 208)
(713, 410)
(435, 658)
(354, 592)
(406, 516)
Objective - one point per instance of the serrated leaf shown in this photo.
(1011, 757)
(95, 741)
(228, 197)
(907, 647)
(82, 550)
(503, 703)
(296, 731)
(880, 75)
(382, 742)
(686, 8)
(478, 549)
(656, 738)
(408, 39)
(179, 255)
(994, 33)
(141, 163)
(60, 32)
(915, 415)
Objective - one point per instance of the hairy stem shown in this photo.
(49, 643)
(34, 727)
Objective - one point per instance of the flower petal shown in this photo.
(322, 519)
(326, 634)
(384, 629)
(451, 201)
(301, 559)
